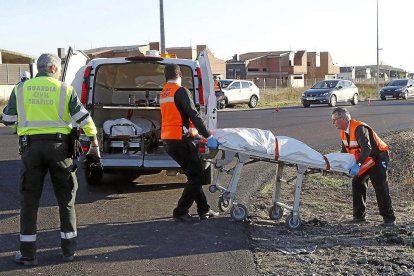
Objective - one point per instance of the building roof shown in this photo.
(15, 57)
(255, 55)
(130, 48)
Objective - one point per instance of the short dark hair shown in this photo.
(171, 71)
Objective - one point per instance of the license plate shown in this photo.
(310, 98)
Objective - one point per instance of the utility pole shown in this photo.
(377, 55)
(162, 33)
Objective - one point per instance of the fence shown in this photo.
(10, 73)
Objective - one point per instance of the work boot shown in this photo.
(209, 214)
(69, 258)
(19, 259)
(388, 223)
(185, 218)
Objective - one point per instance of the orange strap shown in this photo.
(328, 165)
(276, 149)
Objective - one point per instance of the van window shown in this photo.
(133, 83)
(245, 84)
(140, 76)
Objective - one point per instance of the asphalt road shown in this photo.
(125, 228)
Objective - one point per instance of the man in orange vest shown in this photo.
(178, 114)
(371, 156)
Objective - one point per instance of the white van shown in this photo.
(121, 95)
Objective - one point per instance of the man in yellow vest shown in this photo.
(371, 157)
(43, 109)
(178, 114)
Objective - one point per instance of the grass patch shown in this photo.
(326, 180)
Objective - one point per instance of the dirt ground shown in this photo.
(327, 243)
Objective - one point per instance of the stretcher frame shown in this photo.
(228, 198)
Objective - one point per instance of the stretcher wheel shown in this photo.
(212, 189)
(238, 212)
(224, 204)
(291, 224)
(275, 212)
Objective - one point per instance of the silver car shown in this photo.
(331, 92)
(240, 91)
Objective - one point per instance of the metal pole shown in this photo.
(377, 55)
(162, 27)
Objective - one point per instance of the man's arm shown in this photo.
(82, 116)
(185, 103)
(362, 136)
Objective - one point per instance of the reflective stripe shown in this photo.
(86, 121)
(9, 118)
(69, 235)
(62, 99)
(20, 104)
(167, 100)
(28, 238)
(80, 114)
(367, 164)
(345, 142)
(46, 124)
(353, 144)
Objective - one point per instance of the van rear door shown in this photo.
(74, 67)
(208, 89)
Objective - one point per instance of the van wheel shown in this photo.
(332, 101)
(405, 95)
(383, 98)
(354, 100)
(253, 101)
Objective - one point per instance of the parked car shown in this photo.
(402, 88)
(240, 91)
(331, 92)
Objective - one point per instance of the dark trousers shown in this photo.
(185, 153)
(379, 179)
(38, 158)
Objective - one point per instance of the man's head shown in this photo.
(49, 64)
(172, 72)
(340, 118)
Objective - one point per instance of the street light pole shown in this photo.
(162, 27)
(377, 54)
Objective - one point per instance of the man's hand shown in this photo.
(354, 170)
(212, 143)
(94, 151)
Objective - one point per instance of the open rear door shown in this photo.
(208, 88)
(74, 67)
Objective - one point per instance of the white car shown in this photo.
(240, 91)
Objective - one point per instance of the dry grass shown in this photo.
(272, 97)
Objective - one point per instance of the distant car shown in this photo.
(240, 91)
(331, 92)
(403, 88)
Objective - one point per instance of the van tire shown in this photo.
(253, 101)
(93, 178)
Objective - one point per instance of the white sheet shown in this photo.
(124, 126)
(262, 143)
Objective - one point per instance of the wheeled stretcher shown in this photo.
(246, 146)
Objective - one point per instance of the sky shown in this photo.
(345, 28)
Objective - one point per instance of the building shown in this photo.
(346, 73)
(12, 64)
(218, 66)
(281, 67)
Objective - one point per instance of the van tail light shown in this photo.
(85, 85)
(200, 86)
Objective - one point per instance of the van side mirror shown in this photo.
(339, 87)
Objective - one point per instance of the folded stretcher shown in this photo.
(248, 145)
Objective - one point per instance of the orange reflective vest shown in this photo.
(355, 149)
(172, 124)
